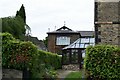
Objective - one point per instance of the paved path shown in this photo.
(63, 73)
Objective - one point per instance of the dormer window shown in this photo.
(62, 40)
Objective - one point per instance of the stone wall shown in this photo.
(108, 11)
(73, 67)
(107, 33)
(12, 74)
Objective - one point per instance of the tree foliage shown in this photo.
(14, 25)
(22, 13)
(45, 41)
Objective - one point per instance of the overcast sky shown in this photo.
(44, 14)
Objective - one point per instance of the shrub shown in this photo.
(21, 55)
(16, 54)
(103, 61)
(50, 59)
(45, 64)
(6, 37)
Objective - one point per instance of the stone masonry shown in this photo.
(12, 74)
(107, 32)
(73, 67)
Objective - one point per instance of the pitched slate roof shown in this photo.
(39, 43)
(86, 33)
(63, 29)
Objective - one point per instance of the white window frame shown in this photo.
(62, 40)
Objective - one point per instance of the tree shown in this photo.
(17, 25)
(45, 41)
(22, 13)
(14, 25)
(28, 30)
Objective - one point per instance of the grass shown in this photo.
(74, 76)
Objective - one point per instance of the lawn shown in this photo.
(74, 76)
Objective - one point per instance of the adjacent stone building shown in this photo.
(107, 22)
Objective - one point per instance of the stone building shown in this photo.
(70, 44)
(60, 38)
(107, 22)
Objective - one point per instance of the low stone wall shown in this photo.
(11, 74)
(73, 67)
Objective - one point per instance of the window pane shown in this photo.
(63, 40)
(92, 40)
(81, 45)
(86, 45)
(77, 45)
(84, 40)
(83, 53)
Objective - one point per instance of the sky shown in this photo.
(44, 14)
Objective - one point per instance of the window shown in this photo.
(63, 40)
(81, 45)
(84, 40)
(92, 40)
(83, 53)
(86, 45)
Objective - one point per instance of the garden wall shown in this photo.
(12, 73)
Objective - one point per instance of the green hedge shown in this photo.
(20, 55)
(103, 61)
(45, 64)
(17, 54)
(50, 59)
